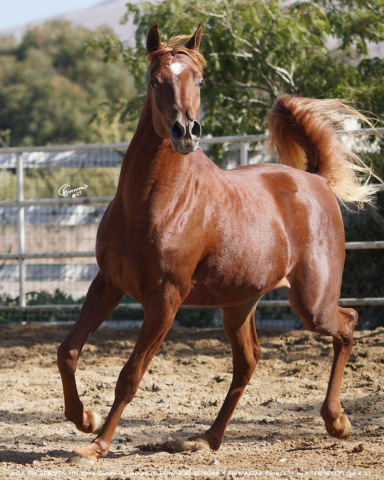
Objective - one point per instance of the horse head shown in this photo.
(175, 79)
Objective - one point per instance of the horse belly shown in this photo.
(239, 277)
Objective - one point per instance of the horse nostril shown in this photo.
(177, 131)
(196, 129)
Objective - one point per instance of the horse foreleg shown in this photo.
(101, 299)
(337, 424)
(239, 325)
(159, 315)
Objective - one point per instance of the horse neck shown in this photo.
(146, 163)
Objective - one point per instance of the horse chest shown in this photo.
(139, 255)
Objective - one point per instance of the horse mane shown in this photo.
(174, 46)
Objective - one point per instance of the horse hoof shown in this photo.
(344, 429)
(347, 431)
(81, 461)
(95, 420)
(205, 441)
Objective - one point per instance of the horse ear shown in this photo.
(194, 41)
(153, 39)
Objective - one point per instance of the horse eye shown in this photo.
(200, 83)
(153, 84)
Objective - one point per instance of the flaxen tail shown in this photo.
(304, 132)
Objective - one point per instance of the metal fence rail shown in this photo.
(344, 302)
(52, 157)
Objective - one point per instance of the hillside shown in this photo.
(108, 12)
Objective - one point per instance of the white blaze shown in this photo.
(176, 68)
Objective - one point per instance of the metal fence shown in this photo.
(61, 230)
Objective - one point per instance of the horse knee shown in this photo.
(351, 317)
(243, 370)
(340, 324)
(126, 387)
(348, 319)
(253, 360)
(67, 359)
(252, 364)
(248, 371)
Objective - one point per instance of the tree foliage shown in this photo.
(54, 89)
(256, 50)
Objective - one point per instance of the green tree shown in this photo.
(54, 89)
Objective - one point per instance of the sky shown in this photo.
(16, 12)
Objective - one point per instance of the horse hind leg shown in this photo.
(328, 319)
(337, 424)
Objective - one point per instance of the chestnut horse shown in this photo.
(180, 231)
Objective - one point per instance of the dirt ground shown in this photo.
(276, 431)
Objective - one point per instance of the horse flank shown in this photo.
(304, 133)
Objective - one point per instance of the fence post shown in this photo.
(21, 227)
(243, 153)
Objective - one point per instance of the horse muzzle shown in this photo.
(185, 137)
